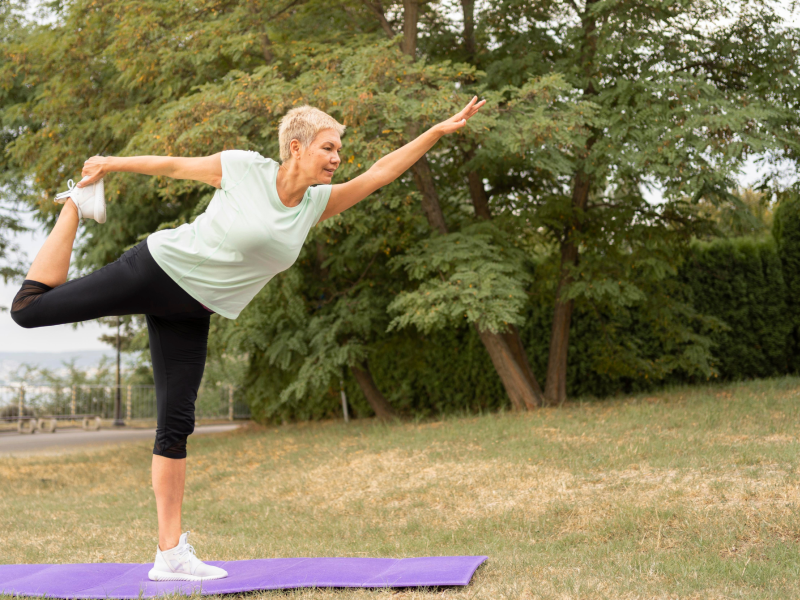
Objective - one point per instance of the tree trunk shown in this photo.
(468, 7)
(477, 193)
(514, 342)
(431, 206)
(480, 199)
(377, 9)
(410, 18)
(263, 36)
(517, 386)
(266, 51)
(377, 401)
(480, 202)
(556, 385)
(522, 388)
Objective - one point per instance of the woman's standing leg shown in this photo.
(169, 480)
(178, 350)
(51, 264)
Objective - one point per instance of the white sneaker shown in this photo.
(181, 564)
(90, 200)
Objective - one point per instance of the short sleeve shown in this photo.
(235, 166)
(320, 194)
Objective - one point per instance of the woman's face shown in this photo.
(321, 159)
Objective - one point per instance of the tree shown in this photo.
(501, 340)
(14, 185)
(542, 195)
(682, 93)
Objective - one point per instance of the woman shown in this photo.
(253, 228)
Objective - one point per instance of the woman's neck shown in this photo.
(289, 184)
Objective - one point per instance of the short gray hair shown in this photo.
(303, 124)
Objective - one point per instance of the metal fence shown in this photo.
(137, 402)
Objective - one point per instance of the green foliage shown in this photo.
(625, 93)
(444, 372)
(466, 277)
(11, 266)
(740, 281)
(786, 231)
(624, 347)
(71, 374)
(750, 215)
(15, 190)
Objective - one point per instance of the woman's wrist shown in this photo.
(108, 164)
(437, 131)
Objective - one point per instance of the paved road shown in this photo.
(13, 443)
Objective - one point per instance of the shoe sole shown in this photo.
(154, 575)
(99, 208)
(99, 202)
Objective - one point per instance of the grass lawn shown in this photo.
(691, 493)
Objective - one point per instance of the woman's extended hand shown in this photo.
(93, 170)
(458, 121)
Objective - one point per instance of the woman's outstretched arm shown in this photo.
(207, 169)
(391, 166)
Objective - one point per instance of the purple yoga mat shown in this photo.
(114, 580)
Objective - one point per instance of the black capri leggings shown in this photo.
(176, 322)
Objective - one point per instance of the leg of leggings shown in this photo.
(133, 284)
(178, 349)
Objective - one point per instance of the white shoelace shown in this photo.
(182, 559)
(71, 186)
(187, 548)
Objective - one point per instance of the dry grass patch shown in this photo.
(691, 494)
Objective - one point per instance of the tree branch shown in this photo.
(377, 9)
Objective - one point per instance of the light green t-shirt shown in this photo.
(244, 238)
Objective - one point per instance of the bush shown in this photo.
(733, 306)
(740, 281)
(786, 231)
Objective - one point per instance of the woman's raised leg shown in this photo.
(51, 264)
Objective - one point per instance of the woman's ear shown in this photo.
(296, 149)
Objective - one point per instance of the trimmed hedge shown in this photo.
(740, 281)
(751, 285)
(786, 231)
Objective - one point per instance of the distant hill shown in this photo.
(11, 361)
